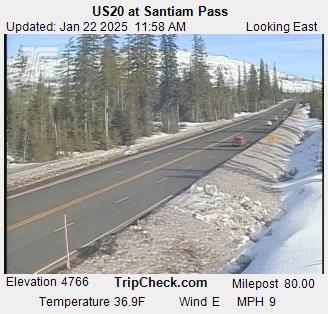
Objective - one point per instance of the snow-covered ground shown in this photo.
(294, 243)
(213, 226)
(240, 114)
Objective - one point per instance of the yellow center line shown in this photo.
(109, 188)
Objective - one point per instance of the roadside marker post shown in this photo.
(67, 247)
(271, 138)
(65, 227)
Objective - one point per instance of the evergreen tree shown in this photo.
(315, 99)
(219, 92)
(184, 95)
(16, 131)
(245, 87)
(262, 86)
(107, 96)
(239, 93)
(268, 86)
(17, 105)
(275, 87)
(86, 80)
(253, 90)
(111, 80)
(281, 89)
(168, 83)
(143, 78)
(200, 81)
(20, 67)
(128, 91)
(64, 109)
(40, 130)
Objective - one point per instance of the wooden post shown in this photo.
(67, 248)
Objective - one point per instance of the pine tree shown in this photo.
(129, 92)
(168, 101)
(200, 81)
(253, 90)
(219, 92)
(86, 80)
(281, 89)
(20, 66)
(17, 104)
(127, 130)
(262, 86)
(64, 108)
(245, 87)
(111, 80)
(268, 86)
(40, 130)
(315, 99)
(143, 78)
(16, 131)
(239, 93)
(184, 96)
(275, 87)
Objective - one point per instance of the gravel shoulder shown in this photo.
(207, 226)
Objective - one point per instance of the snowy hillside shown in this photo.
(45, 66)
(229, 67)
(295, 243)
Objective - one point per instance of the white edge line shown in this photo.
(162, 180)
(118, 162)
(61, 228)
(108, 232)
(123, 199)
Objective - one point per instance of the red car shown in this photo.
(239, 141)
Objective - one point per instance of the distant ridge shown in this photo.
(229, 67)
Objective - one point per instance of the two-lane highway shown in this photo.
(106, 198)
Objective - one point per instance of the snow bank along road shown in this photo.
(293, 244)
(104, 200)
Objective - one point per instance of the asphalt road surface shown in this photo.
(105, 199)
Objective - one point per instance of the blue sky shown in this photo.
(300, 55)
